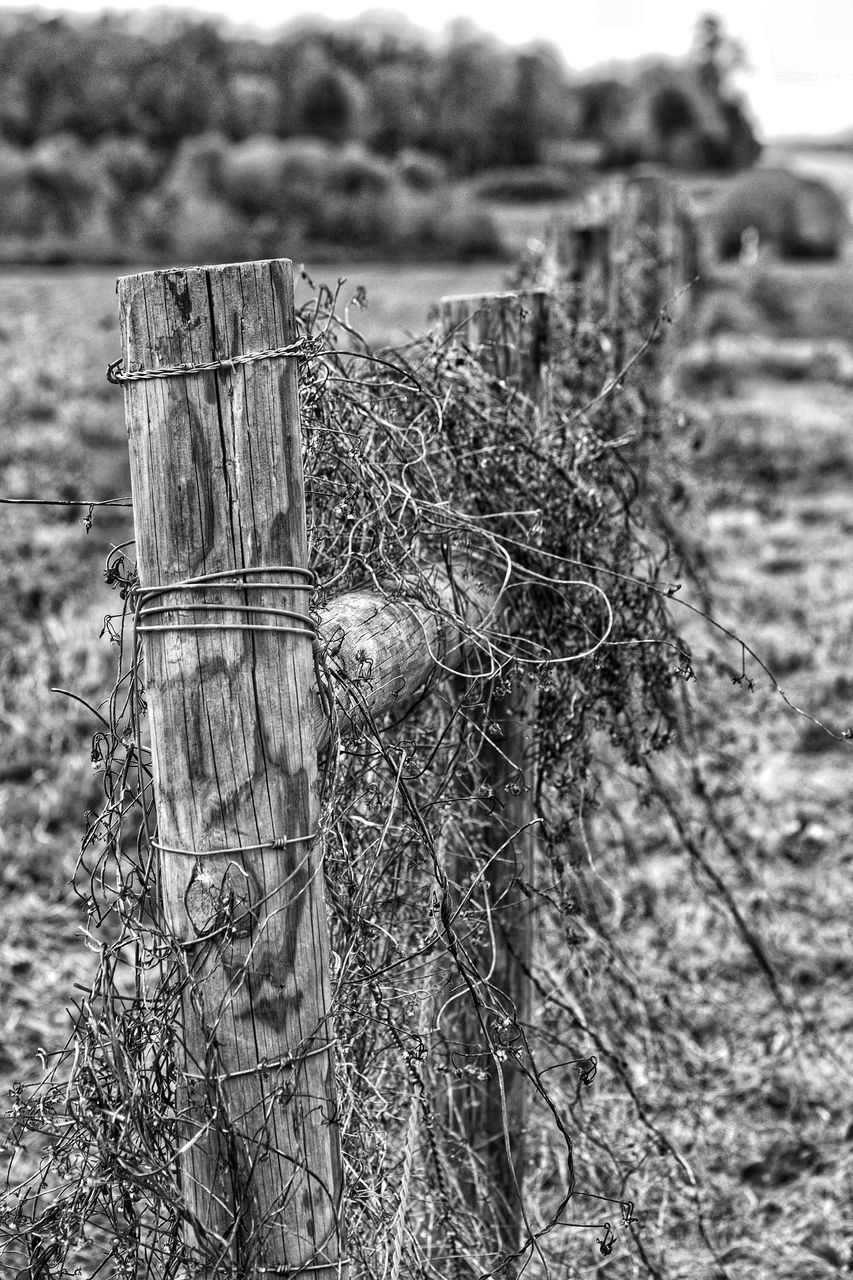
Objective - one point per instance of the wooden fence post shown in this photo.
(510, 334)
(228, 674)
(651, 216)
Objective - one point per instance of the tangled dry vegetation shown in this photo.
(682, 1072)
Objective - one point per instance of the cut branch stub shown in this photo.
(228, 670)
(381, 654)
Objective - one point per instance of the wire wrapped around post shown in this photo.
(225, 653)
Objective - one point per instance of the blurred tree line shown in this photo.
(134, 129)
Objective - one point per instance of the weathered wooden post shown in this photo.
(213, 424)
(651, 203)
(509, 331)
(587, 254)
(510, 334)
(581, 257)
(692, 266)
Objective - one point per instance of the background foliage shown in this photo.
(123, 137)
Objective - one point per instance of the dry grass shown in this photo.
(61, 436)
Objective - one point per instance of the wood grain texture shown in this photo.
(382, 654)
(511, 336)
(217, 485)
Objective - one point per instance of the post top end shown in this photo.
(218, 267)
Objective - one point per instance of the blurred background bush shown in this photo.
(794, 216)
(134, 136)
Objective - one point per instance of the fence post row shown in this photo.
(227, 649)
(589, 248)
(510, 334)
(226, 643)
(235, 727)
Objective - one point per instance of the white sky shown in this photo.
(800, 51)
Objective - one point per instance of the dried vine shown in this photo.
(414, 458)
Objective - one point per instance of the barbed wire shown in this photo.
(304, 347)
(67, 502)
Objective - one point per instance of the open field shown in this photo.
(750, 1084)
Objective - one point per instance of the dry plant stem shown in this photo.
(511, 335)
(217, 485)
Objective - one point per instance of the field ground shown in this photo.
(757, 1098)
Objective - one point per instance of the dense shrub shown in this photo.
(201, 229)
(355, 171)
(821, 220)
(198, 164)
(420, 170)
(795, 217)
(268, 175)
(530, 183)
(461, 228)
(68, 178)
(251, 105)
(261, 197)
(672, 110)
(467, 98)
(18, 200)
(364, 221)
(668, 113)
(304, 178)
(129, 163)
